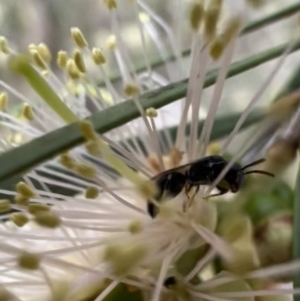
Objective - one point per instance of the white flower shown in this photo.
(82, 225)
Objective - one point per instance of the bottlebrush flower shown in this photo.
(80, 229)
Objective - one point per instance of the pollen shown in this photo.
(93, 148)
(86, 170)
(19, 219)
(72, 70)
(135, 227)
(38, 60)
(44, 52)
(111, 42)
(211, 18)
(48, 220)
(98, 56)
(111, 4)
(3, 101)
(78, 37)
(87, 130)
(25, 190)
(67, 161)
(36, 208)
(131, 90)
(78, 59)
(151, 112)
(4, 45)
(91, 192)
(4, 206)
(27, 112)
(21, 200)
(62, 59)
(196, 14)
(29, 261)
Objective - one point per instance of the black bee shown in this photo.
(203, 171)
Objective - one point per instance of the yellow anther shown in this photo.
(91, 192)
(86, 170)
(31, 47)
(220, 43)
(29, 261)
(111, 4)
(211, 18)
(72, 70)
(21, 200)
(45, 73)
(78, 59)
(87, 130)
(38, 60)
(26, 191)
(147, 189)
(214, 148)
(47, 220)
(232, 28)
(62, 59)
(4, 206)
(27, 112)
(124, 257)
(98, 56)
(196, 14)
(111, 42)
(67, 161)
(36, 208)
(44, 52)
(5, 295)
(3, 45)
(93, 148)
(3, 101)
(151, 112)
(135, 227)
(78, 37)
(256, 3)
(19, 219)
(131, 90)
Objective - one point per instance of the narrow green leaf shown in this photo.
(296, 230)
(21, 65)
(19, 160)
(251, 27)
(223, 125)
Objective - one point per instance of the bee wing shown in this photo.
(180, 168)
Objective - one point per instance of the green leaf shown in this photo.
(296, 231)
(223, 125)
(25, 157)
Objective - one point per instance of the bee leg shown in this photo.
(222, 191)
(186, 190)
(192, 198)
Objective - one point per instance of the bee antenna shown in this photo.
(253, 163)
(262, 172)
